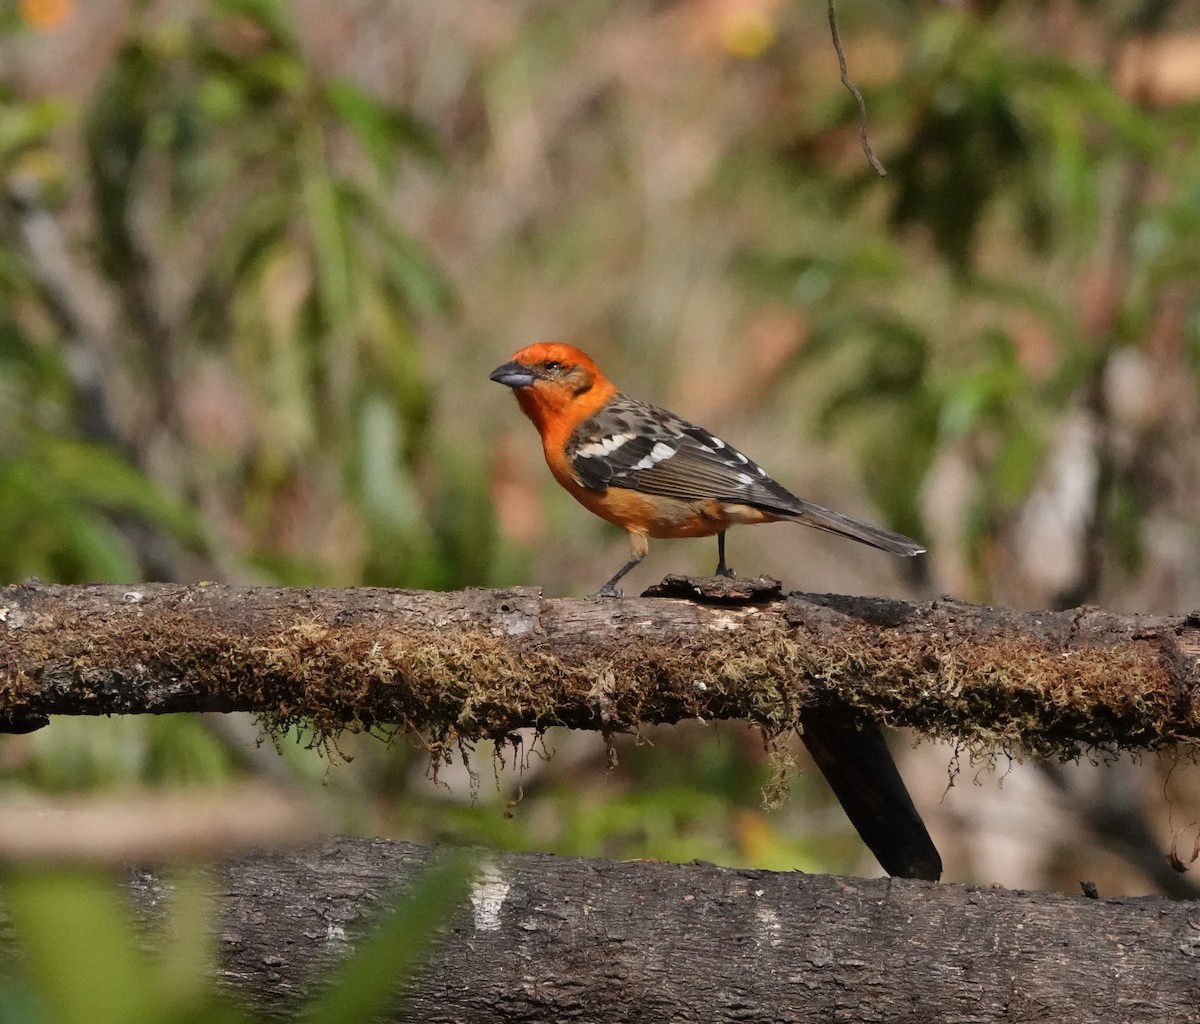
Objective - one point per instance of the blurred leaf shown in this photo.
(221, 98)
(26, 124)
(326, 221)
(362, 987)
(20, 1004)
(1013, 470)
(383, 132)
(99, 476)
(63, 497)
(79, 948)
(87, 968)
(388, 490)
(186, 953)
(86, 964)
(115, 135)
(1124, 514)
(415, 280)
(271, 15)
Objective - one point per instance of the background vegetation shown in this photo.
(257, 259)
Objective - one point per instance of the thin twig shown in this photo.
(853, 90)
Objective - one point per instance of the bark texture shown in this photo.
(464, 665)
(554, 939)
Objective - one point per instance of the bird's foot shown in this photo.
(725, 571)
(608, 590)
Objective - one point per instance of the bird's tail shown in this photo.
(846, 526)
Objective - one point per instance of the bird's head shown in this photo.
(552, 381)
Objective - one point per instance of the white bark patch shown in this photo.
(770, 931)
(725, 618)
(488, 894)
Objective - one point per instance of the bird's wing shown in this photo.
(631, 444)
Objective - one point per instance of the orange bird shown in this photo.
(647, 470)
(656, 475)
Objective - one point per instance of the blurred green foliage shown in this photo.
(690, 792)
(1018, 177)
(81, 960)
(288, 266)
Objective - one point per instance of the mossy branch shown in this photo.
(462, 666)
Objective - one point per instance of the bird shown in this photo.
(649, 471)
(657, 475)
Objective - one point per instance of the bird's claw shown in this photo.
(726, 572)
(608, 590)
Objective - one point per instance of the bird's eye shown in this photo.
(553, 365)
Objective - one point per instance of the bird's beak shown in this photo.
(512, 375)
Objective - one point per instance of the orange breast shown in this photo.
(657, 516)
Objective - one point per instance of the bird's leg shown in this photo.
(722, 568)
(638, 546)
(610, 589)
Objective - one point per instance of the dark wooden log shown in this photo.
(561, 939)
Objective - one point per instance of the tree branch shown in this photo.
(864, 140)
(471, 664)
(558, 938)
